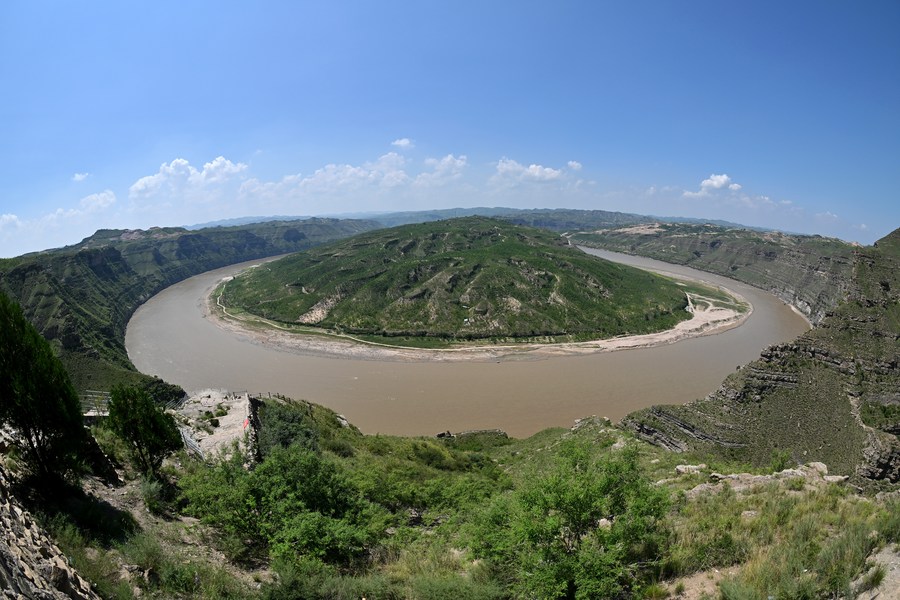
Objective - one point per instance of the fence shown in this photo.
(189, 442)
(94, 402)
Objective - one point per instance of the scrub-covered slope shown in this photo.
(469, 278)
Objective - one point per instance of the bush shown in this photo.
(294, 504)
(282, 425)
(587, 529)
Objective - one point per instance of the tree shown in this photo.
(37, 399)
(150, 433)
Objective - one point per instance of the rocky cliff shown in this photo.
(833, 395)
(31, 565)
(811, 273)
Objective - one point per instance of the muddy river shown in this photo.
(172, 336)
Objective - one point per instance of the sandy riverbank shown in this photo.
(707, 319)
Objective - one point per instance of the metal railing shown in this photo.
(189, 442)
(94, 402)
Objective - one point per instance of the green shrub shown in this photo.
(454, 586)
(285, 424)
(152, 493)
(340, 447)
(294, 504)
(589, 528)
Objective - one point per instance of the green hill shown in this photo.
(460, 279)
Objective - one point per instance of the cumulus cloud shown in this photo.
(574, 165)
(78, 177)
(509, 170)
(179, 177)
(97, 202)
(403, 143)
(9, 221)
(330, 182)
(443, 170)
(712, 184)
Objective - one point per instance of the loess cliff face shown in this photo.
(811, 273)
(833, 395)
(81, 297)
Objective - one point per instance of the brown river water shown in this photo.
(172, 336)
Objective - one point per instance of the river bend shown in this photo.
(172, 336)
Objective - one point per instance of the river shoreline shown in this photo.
(707, 319)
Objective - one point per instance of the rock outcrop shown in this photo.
(31, 565)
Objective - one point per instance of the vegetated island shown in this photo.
(471, 286)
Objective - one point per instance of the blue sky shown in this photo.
(134, 114)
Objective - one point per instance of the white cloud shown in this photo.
(99, 201)
(827, 216)
(715, 182)
(443, 170)
(78, 177)
(8, 221)
(510, 170)
(179, 177)
(331, 182)
(712, 184)
(574, 165)
(403, 143)
(219, 170)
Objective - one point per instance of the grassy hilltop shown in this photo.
(461, 279)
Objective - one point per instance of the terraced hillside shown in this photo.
(460, 279)
(833, 395)
(81, 297)
(811, 273)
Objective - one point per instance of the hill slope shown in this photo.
(810, 272)
(833, 395)
(466, 278)
(81, 297)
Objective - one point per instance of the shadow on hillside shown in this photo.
(61, 504)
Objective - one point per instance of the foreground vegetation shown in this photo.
(327, 512)
(315, 509)
(462, 279)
